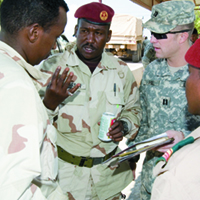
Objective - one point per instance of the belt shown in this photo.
(82, 161)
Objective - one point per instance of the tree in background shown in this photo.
(197, 20)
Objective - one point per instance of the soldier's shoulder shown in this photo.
(154, 65)
(54, 58)
(114, 60)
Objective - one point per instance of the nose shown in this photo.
(153, 39)
(90, 37)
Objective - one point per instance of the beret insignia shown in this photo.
(103, 15)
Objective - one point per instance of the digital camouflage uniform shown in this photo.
(149, 54)
(77, 122)
(162, 93)
(164, 107)
(167, 15)
(144, 44)
(177, 171)
(28, 154)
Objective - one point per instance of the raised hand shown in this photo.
(57, 90)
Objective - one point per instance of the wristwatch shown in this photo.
(125, 125)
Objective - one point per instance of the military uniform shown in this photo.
(164, 107)
(144, 44)
(177, 171)
(162, 90)
(77, 122)
(28, 154)
(179, 178)
(149, 54)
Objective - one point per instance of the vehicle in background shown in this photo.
(126, 40)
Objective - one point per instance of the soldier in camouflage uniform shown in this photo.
(144, 44)
(162, 90)
(107, 85)
(28, 153)
(149, 54)
(177, 171)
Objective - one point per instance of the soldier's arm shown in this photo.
(131, 113)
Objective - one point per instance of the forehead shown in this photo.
(84, 24)
(62, 20)
(59, 25)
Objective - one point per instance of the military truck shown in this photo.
(126, 40)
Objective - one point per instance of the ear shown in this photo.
(183, 37)
(75, 30)
(109, 36)
(34, 32)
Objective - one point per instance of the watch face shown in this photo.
(125, 125)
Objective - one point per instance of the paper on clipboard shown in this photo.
(138, 148)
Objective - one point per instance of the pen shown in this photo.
(114, 89)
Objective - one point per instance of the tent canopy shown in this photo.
(148, 4)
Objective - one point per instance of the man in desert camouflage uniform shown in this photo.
(162, 90)
(28, 153)
(107, 85)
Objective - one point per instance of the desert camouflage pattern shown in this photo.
(78, 118)
(167, 15)
(180, 175)
(149, 54)
(164, 107)
(28, 154)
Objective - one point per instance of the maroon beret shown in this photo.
(193, 54)
(95, 12)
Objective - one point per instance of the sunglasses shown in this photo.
(161, 36)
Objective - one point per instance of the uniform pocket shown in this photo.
(115, 102)
(71, 114)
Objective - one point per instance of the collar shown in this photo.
(163, 70)
(13, 54)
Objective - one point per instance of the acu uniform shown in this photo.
(162, 89)
(177, 171)
(80, 150)
(164, 107)
(149, 54)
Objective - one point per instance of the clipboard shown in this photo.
(139, 148)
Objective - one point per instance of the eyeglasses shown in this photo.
(160, 36)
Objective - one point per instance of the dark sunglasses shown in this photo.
(160, 36)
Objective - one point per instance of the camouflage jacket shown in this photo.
(28, 154)
(182, 165)
(149, 54)
(145, 43)
(78, 118)
(164, 107)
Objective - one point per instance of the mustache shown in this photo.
(88, 45)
